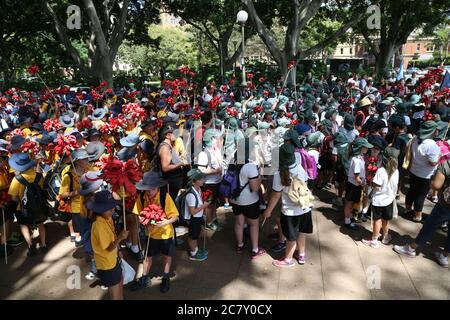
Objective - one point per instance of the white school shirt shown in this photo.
(288, 208)
(385, 195)
(190, 202)
(215, 163)
(422, 154)
(248, 172)
(357, 165)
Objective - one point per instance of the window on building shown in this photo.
(430, 47)
(351, 50)
(418, 47)
(342, 50)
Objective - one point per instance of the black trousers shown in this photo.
(418, 190)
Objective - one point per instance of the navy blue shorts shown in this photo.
(111, 277)
(195, 227)
(161, 246)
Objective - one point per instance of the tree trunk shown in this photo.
(387, 50)
(103, 70)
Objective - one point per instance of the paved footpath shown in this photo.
(338, 266)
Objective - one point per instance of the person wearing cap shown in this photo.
(25, 167)
(356, 178)
(161, 234)
(246, 205)
(210, 164)
(105, 243)
(385, 185)
(425, 155)
(295, 222)
(349, 128)
(195, 213)
(69, 196)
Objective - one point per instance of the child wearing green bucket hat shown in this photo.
(195, 213)
(356, 177)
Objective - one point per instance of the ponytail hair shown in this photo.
(350, 150)
(285, 176)
(390, 164)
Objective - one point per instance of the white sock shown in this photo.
(193, 253)
(128, 244)
(301, 254)
(73, 234)
(348, 220)
(78, 239)
(134, 248)
(255, 250)
(365, 209)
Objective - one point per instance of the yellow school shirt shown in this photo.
(102, 235)
(17, 189)
(159, 233)
(161, 113)
(75, 202)
(179, 147)
(26, 131)
(144, 136)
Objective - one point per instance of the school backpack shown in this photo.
(230, 186)
(343, 162)
(180, 203)
(33, 202)
(52, 183)
(308, 163)
(299, 193)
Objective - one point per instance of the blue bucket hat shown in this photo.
(101, 202)
(21, 162)
(90, 182)
(67, 121)
(17, 141)
(130, 140)
(151, 180)
(45, 140)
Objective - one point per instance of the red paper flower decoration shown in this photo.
(17, 132)
(33, 69)
(214, 103)
(84, 124)
(197, 114)
(258, 109)
(151, 214)
(192, 74)
(52, 125)
(294, 122)
(30, 147)
(207, 195)
(250, 75)
(184, 69)
(292, 64)
(262, 79)
(428, 116)
(65, 145)
(135, 111)
(121, 174)
(159, 123)
(232, 112)
(104, 83)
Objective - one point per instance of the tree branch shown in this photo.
(97, 27)
(119, 30)
(64, 39)
(340, 32)
(263, 32)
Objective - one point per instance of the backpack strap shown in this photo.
(22, 180)
(69, 173)
(38, 177)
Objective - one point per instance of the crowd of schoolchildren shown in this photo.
(258, 151)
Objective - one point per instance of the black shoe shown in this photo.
(363, 217)
(31, 251)
(351, 226)
(43, 249)
(280, 246)
(78, 244)
(139, 256)
(165, 285)
(142, 282)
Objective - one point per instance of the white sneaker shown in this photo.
(371, 243)
(441, 259)
(226, 206)
(90, 276)
(386, 239)
(405, 250)
(103, 288)
(262, 206)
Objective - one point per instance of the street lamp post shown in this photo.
(242, 17)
